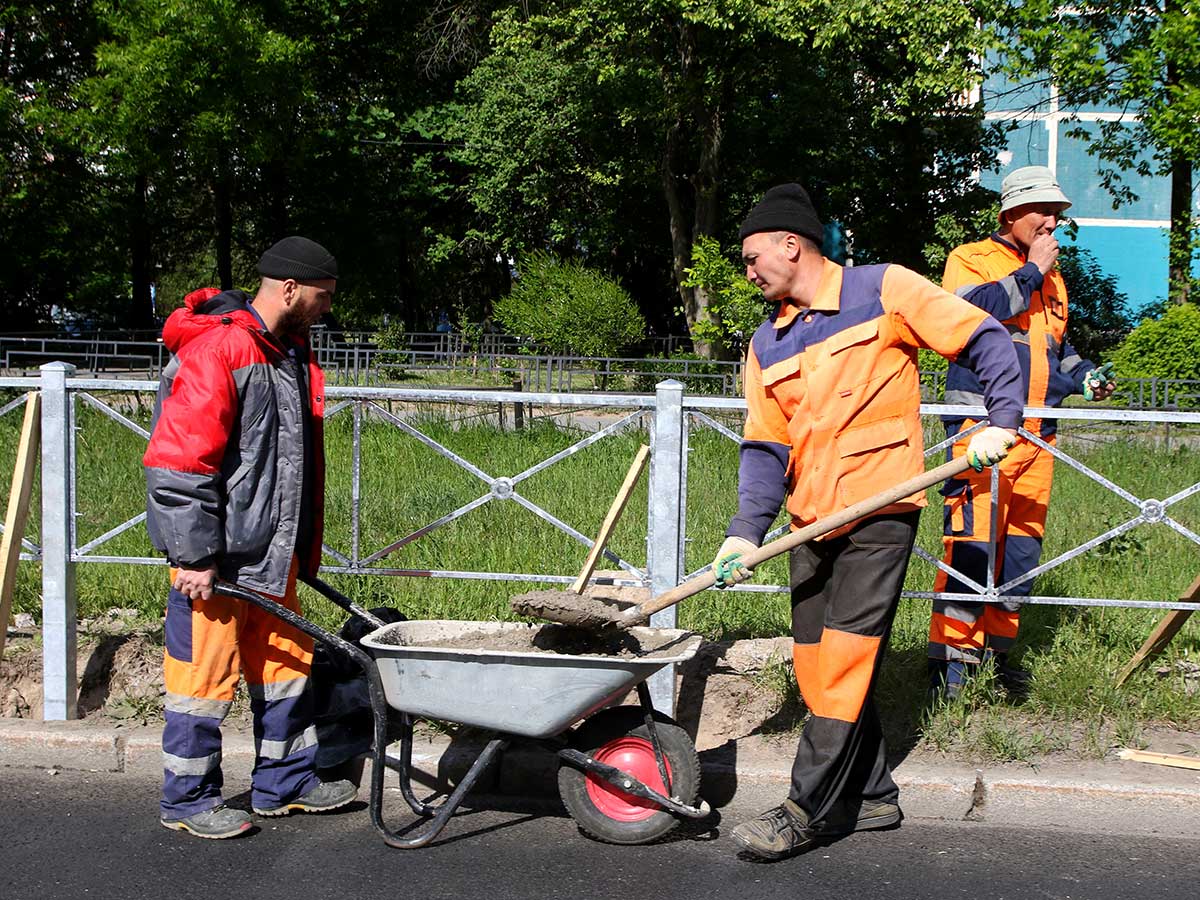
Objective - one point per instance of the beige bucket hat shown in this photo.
(1031, 184)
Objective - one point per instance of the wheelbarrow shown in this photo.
(626, 774)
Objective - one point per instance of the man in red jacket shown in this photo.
(235, 488)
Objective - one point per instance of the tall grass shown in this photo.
(1073, 652)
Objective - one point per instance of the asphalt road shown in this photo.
(74, 835)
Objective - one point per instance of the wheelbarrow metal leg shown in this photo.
(643, 693)
(443, 812)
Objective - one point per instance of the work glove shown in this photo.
(1099, 383)
(728, 567)
(988, 447)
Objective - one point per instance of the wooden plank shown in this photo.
(1161, 759)
(610, 521)
(1166, 629)
(18, 507)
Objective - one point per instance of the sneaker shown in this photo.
(776, 834)
(216, 824)
(872, 815)
(326, 796)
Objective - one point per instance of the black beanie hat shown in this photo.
(298, 258)
(785, 207)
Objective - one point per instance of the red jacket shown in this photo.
(235, 464)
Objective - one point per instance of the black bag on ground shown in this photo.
(341, 700)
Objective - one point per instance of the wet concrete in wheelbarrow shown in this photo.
(567, 608)
(550, 639)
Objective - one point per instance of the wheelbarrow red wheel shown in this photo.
(618, 737)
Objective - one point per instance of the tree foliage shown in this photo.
(1133, 57)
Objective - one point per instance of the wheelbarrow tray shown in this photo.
(530, 694)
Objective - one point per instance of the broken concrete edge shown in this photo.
(1095, 799)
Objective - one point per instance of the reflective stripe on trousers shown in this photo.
(961, 629)
(208, 643)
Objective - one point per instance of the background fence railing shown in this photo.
(668, 415)
(436, 359)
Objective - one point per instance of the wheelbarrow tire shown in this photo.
(619, 737)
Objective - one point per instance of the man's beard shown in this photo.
(293, 323)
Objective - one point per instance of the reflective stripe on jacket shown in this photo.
(225, 466)
(993, 275)
(833, 394)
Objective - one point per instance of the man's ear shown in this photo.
(793, 246)
(291, 289)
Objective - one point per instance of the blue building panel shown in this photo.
(1079, 174)
(1135, 257)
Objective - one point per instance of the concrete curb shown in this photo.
(1101, 796)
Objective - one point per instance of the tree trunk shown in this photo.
(691, 183)
(1181, 249)
(142, 314)
(223, 203)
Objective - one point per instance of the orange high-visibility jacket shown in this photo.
(995, 276)
(833, 394)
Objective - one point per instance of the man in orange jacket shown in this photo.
(1012, 277)
(833, 418)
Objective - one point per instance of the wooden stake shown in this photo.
(1161, 759)
(614, 513)
(1166, 629)
(18, 507)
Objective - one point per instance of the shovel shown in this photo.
(587, 612)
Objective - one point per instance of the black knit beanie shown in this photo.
(785, 207)
(298, 258)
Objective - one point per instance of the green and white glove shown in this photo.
(1099, 383)
(727, 566)
(988, 447)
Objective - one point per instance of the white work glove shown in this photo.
(727, 566)
(989, 446)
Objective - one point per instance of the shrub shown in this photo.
(569, 308)
(1167, 347)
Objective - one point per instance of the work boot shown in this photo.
(216, 824)
(871, 815)
(326, 796)
(947, 677)
(776, 834)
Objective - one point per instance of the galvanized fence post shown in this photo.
(58, 571)
(664, 536)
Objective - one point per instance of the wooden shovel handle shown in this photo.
(610, 521)
(926, 480)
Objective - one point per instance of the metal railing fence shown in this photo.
(668, 415)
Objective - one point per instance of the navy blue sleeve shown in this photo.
(762, 486)
(1008, 296)
(1074, 366)
(990, 355)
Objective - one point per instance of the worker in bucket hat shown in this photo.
(1012, 276)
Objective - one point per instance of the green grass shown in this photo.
(1073, 652)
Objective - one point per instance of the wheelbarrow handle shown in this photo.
(925, 480)
(337, 598)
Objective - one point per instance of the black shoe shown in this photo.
(776, 834)
(947, 677)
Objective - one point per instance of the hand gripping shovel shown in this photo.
(586, 612)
